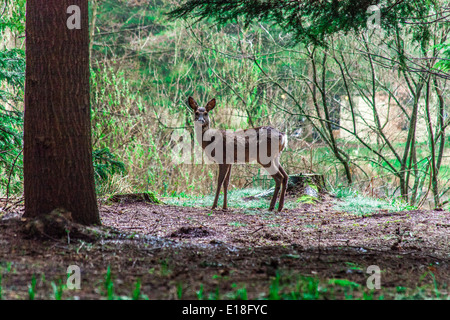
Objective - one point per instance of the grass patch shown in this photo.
(307, 199)
(237, 198)
(352, 201)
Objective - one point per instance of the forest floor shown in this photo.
(160, 251)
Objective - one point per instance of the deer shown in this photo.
(261, 144)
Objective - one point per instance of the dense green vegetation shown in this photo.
(12, 79)
(262, 69)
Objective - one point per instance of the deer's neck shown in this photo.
(200, 135)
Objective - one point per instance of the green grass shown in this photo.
(32, 288)
(137, 293)
(235, 200)
(307, 199)
(352, 201)
(58, 289)
(109, 285)
(179, 291)
(349, 200)
(300, 287)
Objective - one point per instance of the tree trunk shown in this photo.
(58, 169)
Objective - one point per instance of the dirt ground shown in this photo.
(192, 253)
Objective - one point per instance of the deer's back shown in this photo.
(243, 146)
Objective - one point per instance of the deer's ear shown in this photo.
(192, 103)
(210, 105)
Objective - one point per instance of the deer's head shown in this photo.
(201, 113)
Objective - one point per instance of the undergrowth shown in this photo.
(352, 201)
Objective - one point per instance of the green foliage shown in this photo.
(106, 164)
(12, 77)
(344, 283)
(153, 197)
(12, 16)
(12, 73)
(444, 63)
(127, 19)
(308, 21)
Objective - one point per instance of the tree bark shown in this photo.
(58, 168)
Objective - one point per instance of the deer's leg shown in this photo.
(278, 177)
(222, 173)
(225, 186)
(283, 188)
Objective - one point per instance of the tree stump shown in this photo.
(149, 197)
(306, 183)
(308, 187)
